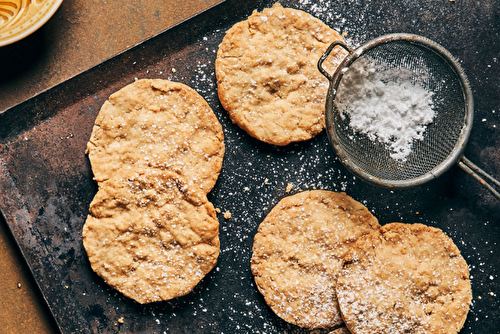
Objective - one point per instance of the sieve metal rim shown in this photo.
(334, 79)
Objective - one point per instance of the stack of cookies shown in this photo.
(321, 259)
(156, 150)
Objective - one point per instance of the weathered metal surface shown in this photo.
(46, 183)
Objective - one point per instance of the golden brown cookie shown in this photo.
(267, 74)
(405, 278)
(159, 124)
(298, 252)
(150, 235)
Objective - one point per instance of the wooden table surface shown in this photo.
(80, 35)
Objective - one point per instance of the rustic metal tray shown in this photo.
(46, 183)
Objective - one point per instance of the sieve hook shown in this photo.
(327, 53)
(479, 174)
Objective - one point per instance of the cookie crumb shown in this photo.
(19, 285)
(227, 215)
(266, 181)
(120, 320)
(217, 210)
(344, 34)
(288, 188)
(246, 189)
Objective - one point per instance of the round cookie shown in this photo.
(405, 278)
(267, 75)
(298, 252)
(159, 124)
(150, 235)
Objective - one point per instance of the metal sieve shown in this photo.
(429, 66)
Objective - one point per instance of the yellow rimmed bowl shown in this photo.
(20, 18)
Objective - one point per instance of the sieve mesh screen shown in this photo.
(429, 70)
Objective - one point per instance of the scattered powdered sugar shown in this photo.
(386, 104)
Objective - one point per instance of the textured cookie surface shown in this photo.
(150, 236)
(405, 278)
(267, 74)
(158, 124)
(298, 252)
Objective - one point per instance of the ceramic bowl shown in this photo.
(20, 18)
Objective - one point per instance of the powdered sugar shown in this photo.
(386, 104)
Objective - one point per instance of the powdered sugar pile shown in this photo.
(386, 104)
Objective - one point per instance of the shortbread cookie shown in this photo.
(298, 252)
(404, 279)
(267, 75)
(150, 235)
(158, 124)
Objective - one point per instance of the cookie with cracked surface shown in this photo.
(267, 76)
(159, 124)
(298, 250)
(405, 278)
(150, 235)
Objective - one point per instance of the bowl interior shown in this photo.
(20, 18)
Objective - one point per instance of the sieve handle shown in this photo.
(326, 54)
(478, 174)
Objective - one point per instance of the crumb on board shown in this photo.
(266, 181)
(227, 215)
(246, 189)
(19, 285)
(217, 210)
(344, 34)
(120, 320)
(173, 70)
(289, 187)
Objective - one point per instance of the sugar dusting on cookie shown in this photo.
(160, 124)
(404, 278)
